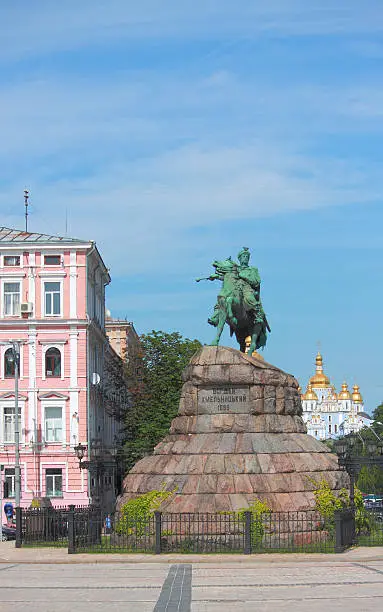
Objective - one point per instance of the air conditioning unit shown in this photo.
(26, 307)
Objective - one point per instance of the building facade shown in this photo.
(329, 414)
(123, 338)
(52, 305)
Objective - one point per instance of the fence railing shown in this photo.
(370, 531)
(344, 530)
(87, 529)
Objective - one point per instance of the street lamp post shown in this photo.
(16, 360)
(94, 466)
(15, 349)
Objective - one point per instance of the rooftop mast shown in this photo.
(26, 197)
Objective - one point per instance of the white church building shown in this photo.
(329, 414)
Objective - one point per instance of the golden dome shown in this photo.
(345, 393)
(356, 396)
(319, 380)
(310, 394)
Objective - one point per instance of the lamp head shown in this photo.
(340, 447)
(80, 451)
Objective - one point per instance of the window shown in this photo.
(53, 362)
(11, 260)
(11, 299)
(52, 260)
(9, 423)
(54, 482)
(329, 429)
(53, 424)
(52, 298)
(9, 482)
(9, 364)
(329, 418)
(335, 428)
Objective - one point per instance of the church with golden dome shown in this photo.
(329, 414)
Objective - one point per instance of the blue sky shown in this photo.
(175, 132)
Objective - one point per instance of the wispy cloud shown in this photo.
(54, 27)
(159, 154)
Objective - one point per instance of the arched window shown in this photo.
(9, 364)
(53, 362)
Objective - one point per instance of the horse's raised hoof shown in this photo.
(212, 322)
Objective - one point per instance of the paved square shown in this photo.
(57, 581)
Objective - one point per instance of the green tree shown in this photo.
(155, 397)
(370, 479)
(377, 424)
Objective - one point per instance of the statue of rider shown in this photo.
(250, 285)
(249, 282)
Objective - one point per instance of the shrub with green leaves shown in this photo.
(258, 509)
(328, 501)
(136, 514)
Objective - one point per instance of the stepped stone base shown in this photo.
(238, 435)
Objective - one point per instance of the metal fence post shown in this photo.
(71, 530)
(19, 527)
(247, 539)
(157, 520)
(339, 545)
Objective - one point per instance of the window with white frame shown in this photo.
(52, 298)
(9, 363)
(9, 482)
(52, 260)
(53, 424)
(11, 297)
(53, 362)
(11, 260)
(54, 482)
(9, 423)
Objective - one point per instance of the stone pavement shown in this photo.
(48, 579)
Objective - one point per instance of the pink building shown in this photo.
(52, 300)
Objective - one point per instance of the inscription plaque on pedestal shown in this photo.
(212, 400)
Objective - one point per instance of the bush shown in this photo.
(257, 509)
(136, 514)
(327, 502)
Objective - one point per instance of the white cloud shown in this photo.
(154, 155)
(44, 26)
(148, 216)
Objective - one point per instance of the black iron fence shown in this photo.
(370, 532)
(345, 532)
(44, 526)
(87, 529)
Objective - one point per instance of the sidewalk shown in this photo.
(10, 554)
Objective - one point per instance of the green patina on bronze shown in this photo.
(239, 302)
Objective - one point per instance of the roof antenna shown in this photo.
(26, 197)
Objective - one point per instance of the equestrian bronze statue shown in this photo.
(239, 302)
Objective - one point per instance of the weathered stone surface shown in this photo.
(221, 453)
